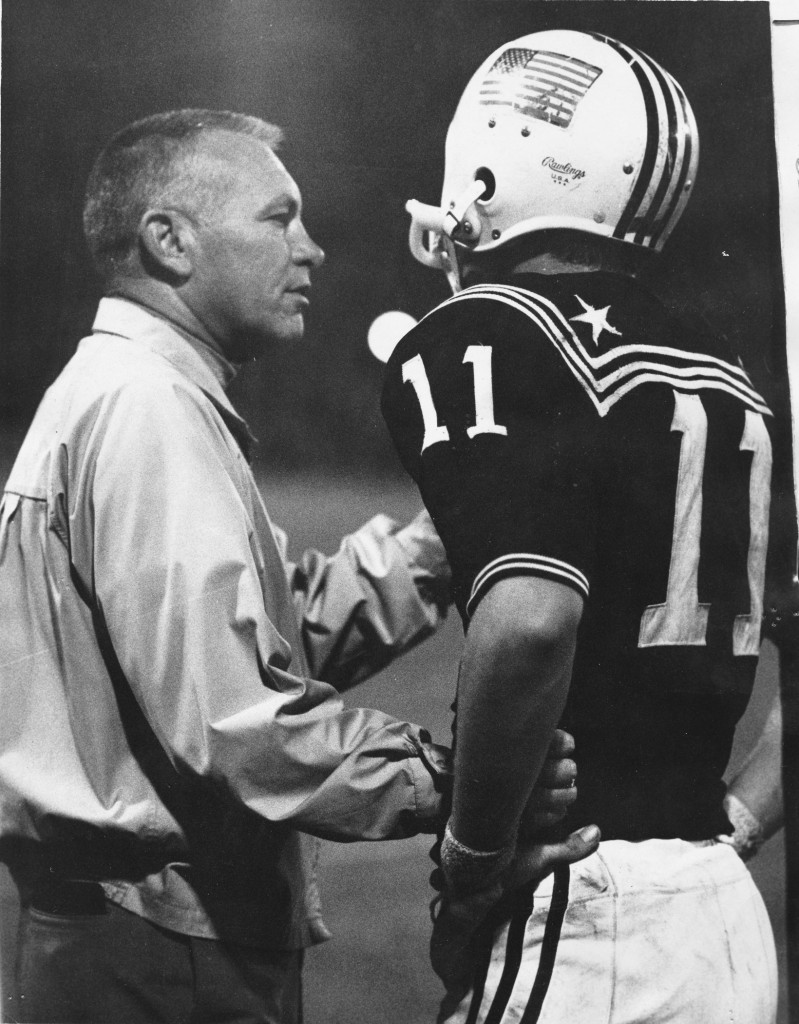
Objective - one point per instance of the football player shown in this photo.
(599, 472)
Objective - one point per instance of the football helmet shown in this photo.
(561, 129)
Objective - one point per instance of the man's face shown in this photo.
(251, 255)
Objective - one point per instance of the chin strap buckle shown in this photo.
(455, 218)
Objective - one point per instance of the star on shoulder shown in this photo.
(597, 318)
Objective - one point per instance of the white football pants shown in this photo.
(638, 933)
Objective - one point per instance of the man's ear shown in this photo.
(165, 238)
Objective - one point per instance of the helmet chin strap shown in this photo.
(441, 225)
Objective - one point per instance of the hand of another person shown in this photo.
(554, 791)
(748, 835)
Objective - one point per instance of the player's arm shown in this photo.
(755, 801)
(512, 687)
(513, 684)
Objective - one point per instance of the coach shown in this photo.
(161, 740)
(167, 755)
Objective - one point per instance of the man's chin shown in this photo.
(293, 329)
(260, 340)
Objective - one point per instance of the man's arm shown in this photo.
(163, 544)
(513, 684)
(385, 590)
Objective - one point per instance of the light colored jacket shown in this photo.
(161, 729)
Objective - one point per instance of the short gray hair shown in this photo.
(146, 164)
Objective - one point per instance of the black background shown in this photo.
(365, 90)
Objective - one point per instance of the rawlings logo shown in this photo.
(562, 169)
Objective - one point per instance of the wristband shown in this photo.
(466, 869)
(747, 836)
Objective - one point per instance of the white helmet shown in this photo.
(562, 129)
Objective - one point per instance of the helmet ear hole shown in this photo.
(487, 177)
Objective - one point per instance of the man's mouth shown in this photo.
(301, 296)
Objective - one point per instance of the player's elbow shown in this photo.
(530, 613)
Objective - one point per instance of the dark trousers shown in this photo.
(112, 965)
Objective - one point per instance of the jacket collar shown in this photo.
(192, 357)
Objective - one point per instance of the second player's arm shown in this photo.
(513, 685)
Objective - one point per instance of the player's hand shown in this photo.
(456, 929)
(454, 943)
(537, 860)
(554, 791)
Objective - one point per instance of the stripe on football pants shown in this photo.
(514, 950)
(549, 946)
(513, 955)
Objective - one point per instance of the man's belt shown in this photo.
(67, 896)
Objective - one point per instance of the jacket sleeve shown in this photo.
(163, 543)
(384, 591)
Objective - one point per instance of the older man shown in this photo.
(165, 742)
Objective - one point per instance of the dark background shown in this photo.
(365, 89)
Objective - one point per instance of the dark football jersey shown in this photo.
(573, 429)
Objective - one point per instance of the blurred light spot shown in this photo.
(386, 332)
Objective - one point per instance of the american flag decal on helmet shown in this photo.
(546, 86)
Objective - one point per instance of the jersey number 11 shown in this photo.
(681, 620)
(479, 356)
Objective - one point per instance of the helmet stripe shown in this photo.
(652, 135)
(648, 219)
(681, 145)
(679, 197)
(654, 229)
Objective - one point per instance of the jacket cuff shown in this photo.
(428, 561)
(432, 780)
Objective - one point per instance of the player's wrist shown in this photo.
(467, 870)
(747, 836)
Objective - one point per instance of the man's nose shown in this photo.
(307, 251)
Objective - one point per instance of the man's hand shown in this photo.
(452, 946)
(554, 791)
